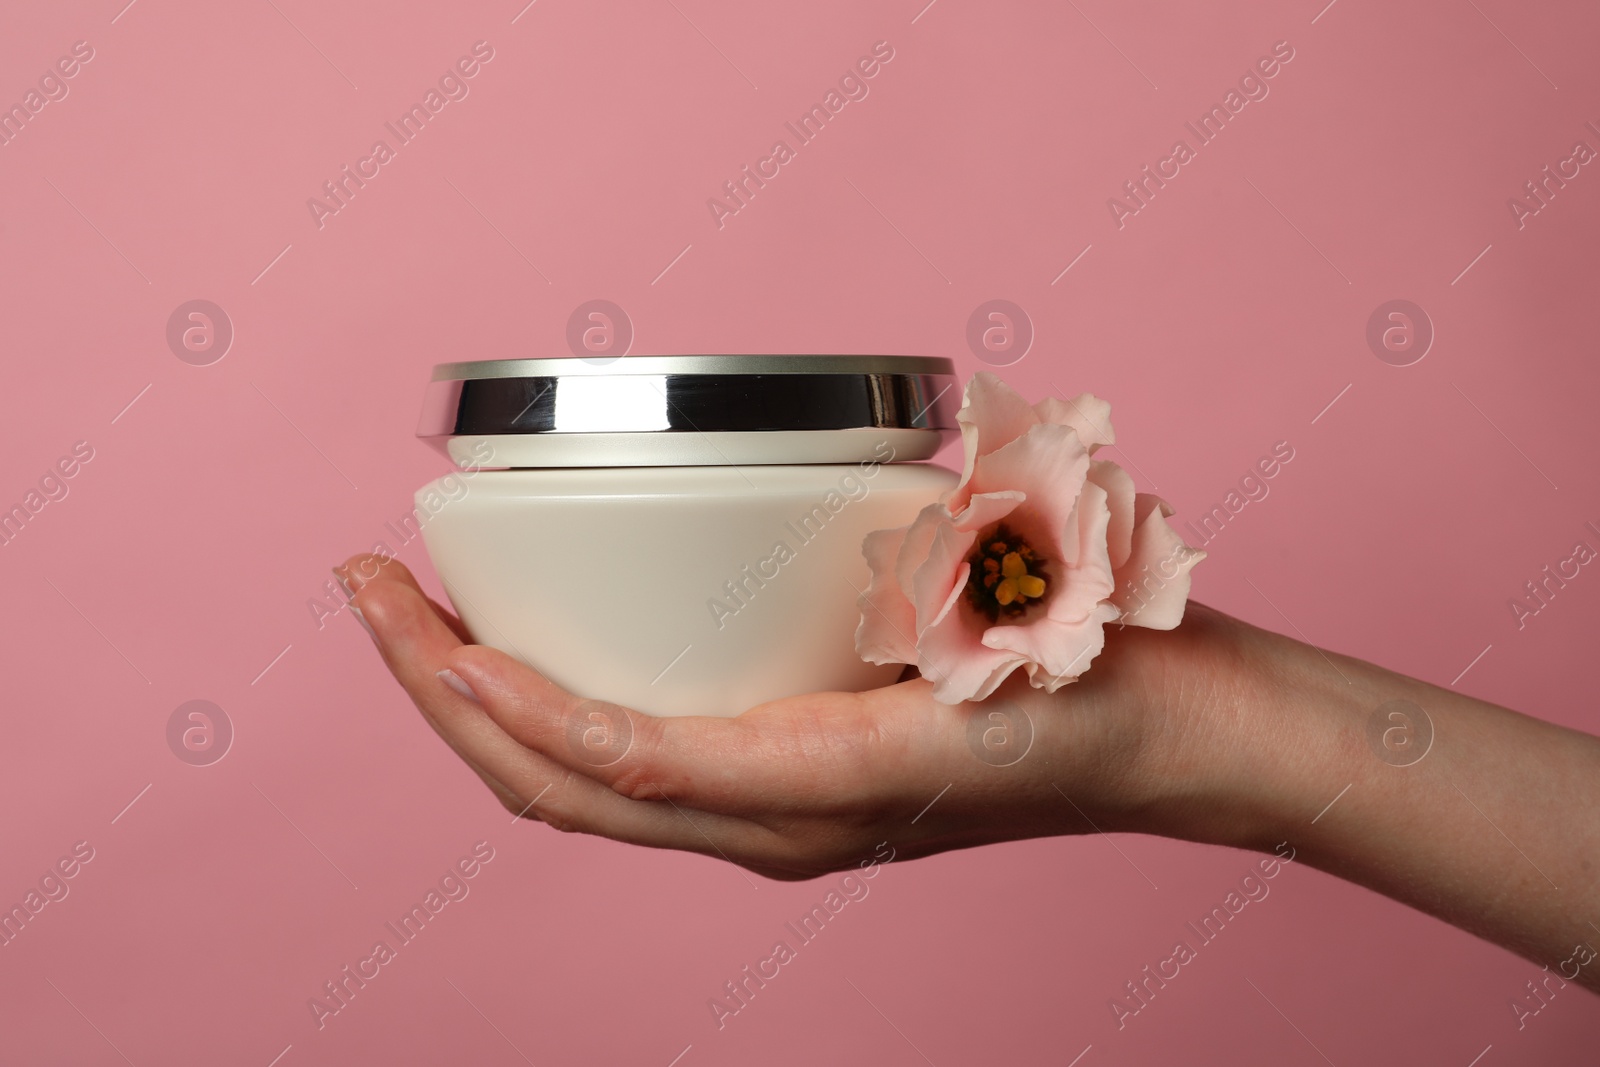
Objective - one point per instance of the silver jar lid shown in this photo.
(689, 410)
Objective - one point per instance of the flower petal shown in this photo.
(1089, 639)
(888, 621)
(1048, 464)
(1118, 485)
(986, 509)
(1059, 643)
(1089, 579)
(914, 549)
(992, 415)
(933, 591)
(1153, 585)
(942, 575)
(1085, 413)
(950, 651)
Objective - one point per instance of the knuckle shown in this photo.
(560, 815)
(639, 772)
(638, 781)
(561, 820)
(562, 823)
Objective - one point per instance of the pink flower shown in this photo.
(1024, 562)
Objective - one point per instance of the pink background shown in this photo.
(1224, 317)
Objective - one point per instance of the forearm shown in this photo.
(1494, 827)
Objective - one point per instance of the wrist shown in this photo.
(1247, 734)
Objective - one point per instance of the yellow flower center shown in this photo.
(1007, 575)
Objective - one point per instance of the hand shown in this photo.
(1214, 732)
(805, 785)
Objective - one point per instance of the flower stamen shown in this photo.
(1007, 575)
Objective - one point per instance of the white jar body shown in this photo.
(674, 590)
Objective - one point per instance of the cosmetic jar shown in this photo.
(680, 535)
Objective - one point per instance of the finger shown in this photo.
(823, 752)
(356, 572)
(365, 567)
(416, 645)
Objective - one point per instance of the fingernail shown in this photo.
(344, 582)
(454, 681)
(353, 578)
(362, 619)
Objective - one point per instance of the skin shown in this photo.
(1217, 732)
